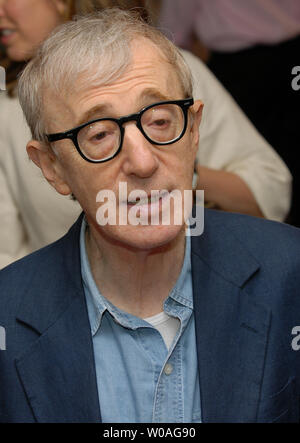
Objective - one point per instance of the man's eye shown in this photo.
(99, 136)
(160, 122)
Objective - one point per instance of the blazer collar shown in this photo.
(223, 252)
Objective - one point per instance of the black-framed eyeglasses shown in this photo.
(101, 140)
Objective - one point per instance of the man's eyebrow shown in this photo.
(148, 96)
(94, 112)
(154, 94)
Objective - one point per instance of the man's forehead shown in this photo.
(149, 76)
(144, 49)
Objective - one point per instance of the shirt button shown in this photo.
(168, 369)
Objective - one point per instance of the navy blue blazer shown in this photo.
(246, 285)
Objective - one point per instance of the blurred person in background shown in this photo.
(254, 46)
(237, 169)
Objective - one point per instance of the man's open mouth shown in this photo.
(151, 199)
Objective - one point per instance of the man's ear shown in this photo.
(196, 115)
(47, 161)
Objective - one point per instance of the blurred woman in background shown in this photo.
(25, 24)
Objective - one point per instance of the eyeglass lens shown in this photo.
(161, 123)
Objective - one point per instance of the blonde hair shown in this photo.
(96, 47)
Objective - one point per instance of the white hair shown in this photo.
(95, 47)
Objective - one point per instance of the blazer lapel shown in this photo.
(57, 370)
(231, 330)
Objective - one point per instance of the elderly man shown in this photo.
(138, 322)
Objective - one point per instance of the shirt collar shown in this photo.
(179, 292)
(97, 304)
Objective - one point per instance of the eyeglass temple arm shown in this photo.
(59, 136)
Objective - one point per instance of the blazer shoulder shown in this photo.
(18, 277)
(271, 243)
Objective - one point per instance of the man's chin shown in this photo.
(143, 237)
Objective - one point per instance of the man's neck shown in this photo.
(138, 282)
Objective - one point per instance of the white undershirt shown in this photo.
(166, 325)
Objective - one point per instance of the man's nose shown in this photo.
(138, 154)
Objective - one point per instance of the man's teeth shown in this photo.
(146, 201)
(143, 201)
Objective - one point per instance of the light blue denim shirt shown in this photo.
(134, 383)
